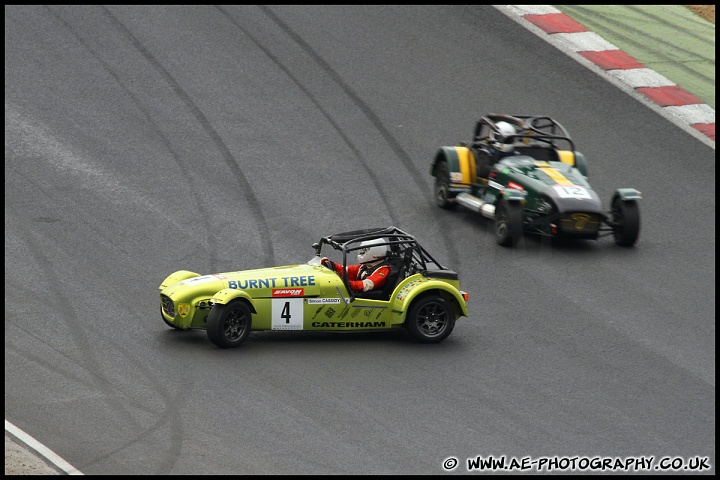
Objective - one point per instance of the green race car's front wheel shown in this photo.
(229, 325)
(430, 319)
(626, 220)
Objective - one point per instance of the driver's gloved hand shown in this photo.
(328, 263)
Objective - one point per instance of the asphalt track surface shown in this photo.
(142, 140)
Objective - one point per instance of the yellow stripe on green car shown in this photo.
(559, 178)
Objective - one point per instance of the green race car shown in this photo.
(524, 173)
(419, 295)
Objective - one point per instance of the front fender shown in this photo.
(178, 276)
(575, 159)
(227, 295)
(627, 194)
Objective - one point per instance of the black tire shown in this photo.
(229, 325)
(508, 223)
(443, 197)
(430, 319)
(626, 221)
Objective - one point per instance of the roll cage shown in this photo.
(533, 131)
(406, 256)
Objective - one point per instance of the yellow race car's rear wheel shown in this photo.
(430, 319)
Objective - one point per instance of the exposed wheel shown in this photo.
(430, 319)
(442, 187)
(626, 221)
(508, 223)
(229, 325)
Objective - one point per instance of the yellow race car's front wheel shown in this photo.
(229, 325)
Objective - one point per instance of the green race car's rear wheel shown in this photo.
(229, 325)
(508, 223)
(626, 220)
(430, 319)
(442, 187)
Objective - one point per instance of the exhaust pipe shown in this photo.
(473, 203)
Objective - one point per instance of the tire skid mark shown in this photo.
(618, 29)
(90, 363)
(645, 13)
(37, 187)
(415, 174)
(373, 177)
(648, 13)
(212, 247)
(110, 390)
(168, 414)
(167, 419)
(250, 197)
(170, 418)
(63, 304)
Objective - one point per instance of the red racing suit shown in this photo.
(365, 277)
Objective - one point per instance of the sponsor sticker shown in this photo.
(315, 301)
(515, 186)
(204, 278)
(288, 292)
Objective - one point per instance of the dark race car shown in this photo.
(420, 295)
(524, 173)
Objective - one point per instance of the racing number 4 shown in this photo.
(286, 312)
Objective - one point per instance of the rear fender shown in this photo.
(461, 164)
(414, 289)
(227, 295)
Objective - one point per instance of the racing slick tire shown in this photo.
(626, 221)
(442, 187)
(508, 223)
(430, 319)
(229, 325)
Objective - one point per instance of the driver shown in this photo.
(372, 271)
(501, 143)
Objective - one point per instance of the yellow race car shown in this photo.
(420, 295)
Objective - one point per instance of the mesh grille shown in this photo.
(168, 306)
